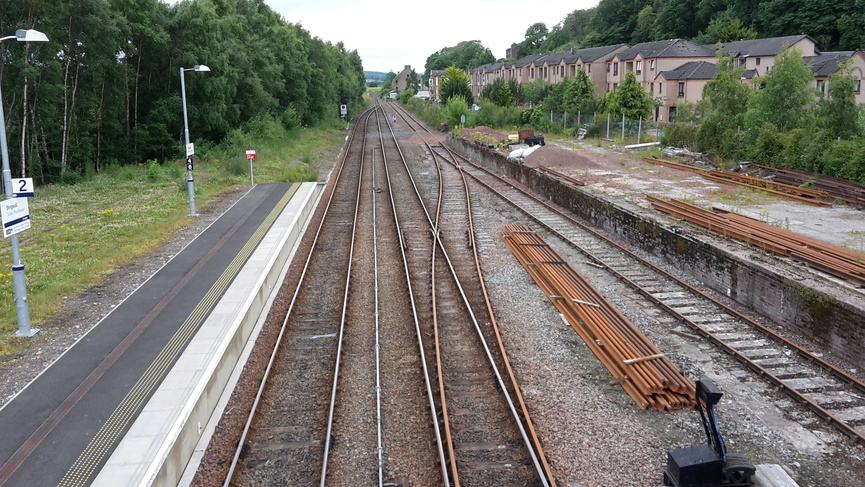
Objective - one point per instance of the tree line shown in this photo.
(105, 89)
(836, 26)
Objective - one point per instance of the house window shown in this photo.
(652, 64)
(757, 61)
(681, 89)
(615, 69)
(858, 87)
(651, 87)
(639, 67)
(821, 85)
(615, 85)
(589, 68)
(608, 87)
(608, 67)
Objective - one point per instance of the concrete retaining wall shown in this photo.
(835, 319)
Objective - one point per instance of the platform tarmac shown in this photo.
(158, 360)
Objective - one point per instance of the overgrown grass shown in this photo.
(80, 233)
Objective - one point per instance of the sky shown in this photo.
(390, 35)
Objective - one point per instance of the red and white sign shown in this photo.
(250, 154)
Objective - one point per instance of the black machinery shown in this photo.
(708, 465)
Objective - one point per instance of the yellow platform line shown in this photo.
(80, 473)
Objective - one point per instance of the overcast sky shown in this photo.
(388, 35)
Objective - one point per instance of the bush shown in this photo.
(290, 119)
(71, 177)
(770, 146)
(299, 173)
(455, 108)
(682, 135)
(153, 173)
(846, 159)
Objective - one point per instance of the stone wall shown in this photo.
(815, 308)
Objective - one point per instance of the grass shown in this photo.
(80, 233)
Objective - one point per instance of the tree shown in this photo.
(630, 100)
(465, 55)
(725, 28)
(613, 22)
(723, 106)
(580, 95)
(456, 82)
(412, 82)
(785, 97)
(677, 19)
(838, 111)
(536, 34)
(645, 30)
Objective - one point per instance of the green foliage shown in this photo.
(723, 105)
(455, 108)
(536, 36)
(685, 135)
(456, 83)
(838, 112)
(630, 100)
(465, 55)
(106, 88)
(406, 95)
(492, 115)
(536, 92)
(785, 96)
(724, 28)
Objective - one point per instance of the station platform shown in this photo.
(129, 401)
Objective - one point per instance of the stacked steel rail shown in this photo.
(826, 257)
(838, 188)
(646, 374)
(796, 193)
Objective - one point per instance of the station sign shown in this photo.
(22, 188)
(15, 215)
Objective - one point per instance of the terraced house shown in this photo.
(673, 70)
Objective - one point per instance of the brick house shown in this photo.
(684, 83)
(400, 82)
(826, 64)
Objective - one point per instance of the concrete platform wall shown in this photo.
(812, 310)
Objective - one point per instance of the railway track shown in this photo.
(835, 396)
(484, 436)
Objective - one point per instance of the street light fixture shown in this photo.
(190, 183)
(19, 283)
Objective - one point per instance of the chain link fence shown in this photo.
(607, 127)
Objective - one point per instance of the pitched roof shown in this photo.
(828, 63)
(523, 62)
(603, 53)
(762, 47)
(691, 70)
(667, 48)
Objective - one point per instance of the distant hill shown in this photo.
(374, 75)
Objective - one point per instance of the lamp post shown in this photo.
(190, 183)
(18, 282)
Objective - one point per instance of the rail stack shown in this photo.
(793, 192)
(646, 373)
(838, 188)
(831, 259)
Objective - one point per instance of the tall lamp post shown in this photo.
(18, 282)
(190, 183)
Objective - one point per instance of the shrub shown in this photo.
(769, 147)
(299, 173)
(290, 119)
(70, 177)
(683, 135)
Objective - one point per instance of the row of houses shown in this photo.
(673, 70)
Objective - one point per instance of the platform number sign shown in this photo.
(22, 188)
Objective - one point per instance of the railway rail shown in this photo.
(831, 393)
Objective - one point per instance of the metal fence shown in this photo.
(604, 126)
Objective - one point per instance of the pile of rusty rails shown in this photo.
(643, 371)
(831, 259)
(553, 172)
(837, 188)
(795, 193)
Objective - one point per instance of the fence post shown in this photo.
(608, 125)
(579, 123)
(623, 128)
(551, 115)
(565, 121)
(640, 129)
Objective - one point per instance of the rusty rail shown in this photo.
(643, 371)
(832, 259)
(795, 193)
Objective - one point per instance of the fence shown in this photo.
(607, 127)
